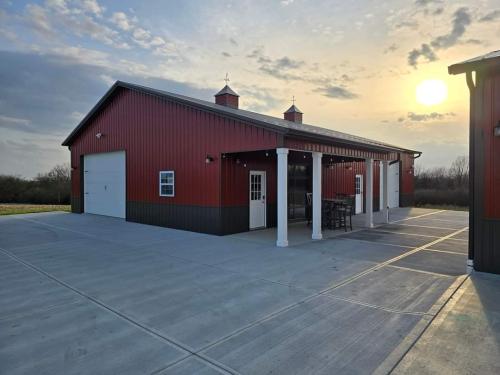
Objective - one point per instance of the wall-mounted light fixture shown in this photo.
(267, 153)
(99, 135)
(209, 159)
(349, 167)
(496, 130)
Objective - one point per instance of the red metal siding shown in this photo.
(407, 175)
(340, 178)
(161, 135)
(235, 178)
(491, 144)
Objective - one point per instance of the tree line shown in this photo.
(443, 186)
(53, 187)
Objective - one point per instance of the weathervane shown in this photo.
(226, 79)
(293, 100)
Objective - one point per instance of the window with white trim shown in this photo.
(167, 181)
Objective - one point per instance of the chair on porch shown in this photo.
(342, 212)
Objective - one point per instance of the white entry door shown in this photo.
(393, 183)
(104, 184)
(257, 199)
(358, 190)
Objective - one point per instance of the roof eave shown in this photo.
(465, 67)
(69, 138)
(361, 145)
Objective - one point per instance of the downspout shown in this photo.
(472, 143)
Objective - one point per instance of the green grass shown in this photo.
(450, 207)
(14, 208)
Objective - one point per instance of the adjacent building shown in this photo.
(483, 79)
(165, 159)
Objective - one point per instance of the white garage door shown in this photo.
(104, 184)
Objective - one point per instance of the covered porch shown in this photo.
(274, 186)
(299, 233)
(318, 190)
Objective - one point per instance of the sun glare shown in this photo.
(431, 92)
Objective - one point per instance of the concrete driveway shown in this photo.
(83, 294)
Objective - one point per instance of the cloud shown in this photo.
(492, 16)
(278, 68)
(39, 19)
(122, 21)
(424, 117)
(393, 47)
(461, 19)
(43, 97)
(424, 3)
(337, 92)
(92, 6)
(233, 42)
(424, 51)
(15, 123)
(225, 54)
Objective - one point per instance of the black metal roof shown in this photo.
(226, 90)
(484, 61)
(293, 109)
(273, 123)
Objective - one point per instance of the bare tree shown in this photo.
(459, 171)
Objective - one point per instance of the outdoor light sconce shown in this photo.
(349, 167)
(209, 159)
(99, 135)
(496, 130)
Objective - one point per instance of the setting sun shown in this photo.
(431, 92)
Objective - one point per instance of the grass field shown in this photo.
(13, 209)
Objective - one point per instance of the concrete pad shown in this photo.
(15, 233)
(390, 238)
(190, 302)
(212, 249)
(433, 261)
(432, 222)
(454, 246)
(465, 336)
(193, 366)
(47, 329)
(462, 236)
(322, 335)
(23, 291)
(298, 267)
(346, 248)
(408, 228)
(396, 289)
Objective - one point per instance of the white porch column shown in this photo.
(282, 176)
(316, 196)
(369, 193)
(385, 191)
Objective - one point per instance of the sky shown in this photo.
(352, 66)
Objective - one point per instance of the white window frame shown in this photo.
(167, 184)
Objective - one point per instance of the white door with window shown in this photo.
(358, 190)
(393, 183)
(104, 184)
(257, 199)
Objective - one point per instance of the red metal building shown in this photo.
(484, 159)
(160, 158)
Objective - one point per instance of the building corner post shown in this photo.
(316, 196)
(385, 192)
(282, 196)
(369, 193)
